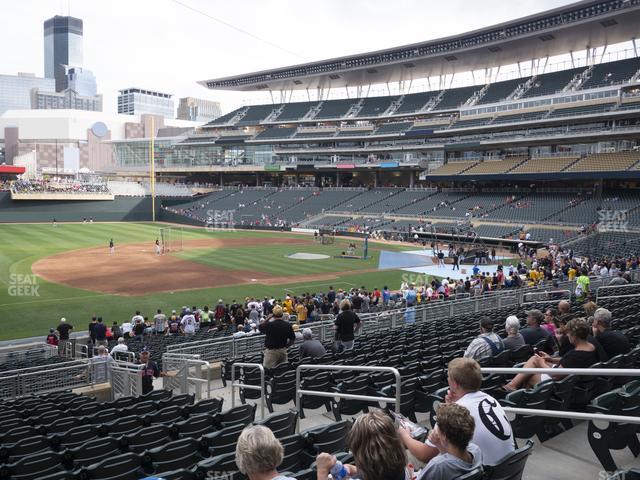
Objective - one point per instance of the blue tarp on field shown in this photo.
(392, 260)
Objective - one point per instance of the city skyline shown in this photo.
(169, 45)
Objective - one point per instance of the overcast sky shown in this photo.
(162, 45)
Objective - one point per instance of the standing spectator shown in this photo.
(159, 323)
(331, 295)
(254, 315)
(63, 331)
(487, 344)
(174, 324)
(137, 318)
(52, 338)
(138, 328)
(116, 331)
(100, 365)
(127, 328)
(149, 371)
(613, 342)
(278, 336)
(100, 333)
(492, 429)
(310, 347)
(347, 322)
(514, 338)
(582, 285)
(386, 295)
(91, 329)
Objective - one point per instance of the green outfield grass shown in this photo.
(30, 306)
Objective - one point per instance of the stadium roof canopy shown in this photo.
(576, 27)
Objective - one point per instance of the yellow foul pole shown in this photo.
(152, 164)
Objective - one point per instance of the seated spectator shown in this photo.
(311, 347)
(452, 436)
(492, 434)
(376, 447)
(564, 311)
(514, 338)
(116, 331)
(583, 355)
(258, 454)
(590, 308)
(618, 279)
(550, 320)
(99, 365)
(613, 342)
(534, 333)
(487, 344)
(120, 347)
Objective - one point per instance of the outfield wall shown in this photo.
(122, 209)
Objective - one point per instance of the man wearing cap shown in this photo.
(613, 342)
(278, 336)
(149, 371)
(311, 347)
(52, 338)
(534, 333)
(173, 328)
(188, 323)
(63, 330)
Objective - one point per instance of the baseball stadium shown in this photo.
(439, 279)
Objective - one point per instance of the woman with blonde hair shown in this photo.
(376, 447)
(259, 453)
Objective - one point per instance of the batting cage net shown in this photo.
(171, 239)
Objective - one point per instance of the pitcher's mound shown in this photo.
(307, 256)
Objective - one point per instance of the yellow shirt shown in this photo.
(301, 312)
(288, 306)
(572, 273)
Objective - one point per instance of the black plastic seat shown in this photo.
(103, 416)
(195, 427)
(210, 406)
(407, 397)
(90, 452)
(167, 415)
(122, 426)
(329, 439)
(296, 456)
(475, 474)
(358, 386)
(32, 466)
(280, 389)
(511, 466)
(183, 453)
(156, 395)
(320, 382)
(521, 354)
(216, 466)
(606, 436)
(22, 448)
(223, 441)
(281, 424)
(61, 425)
(146, 407)
(74, 437)
(16, 434)
(177, 401)
(242, 414)
(127, 466)
(182, 474)
(526, 426)
(147, 438)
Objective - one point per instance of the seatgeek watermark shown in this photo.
(613, 221)
(220, 220)
(22, 285)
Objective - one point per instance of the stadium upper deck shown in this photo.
(576, 27)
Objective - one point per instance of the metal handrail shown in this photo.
(584, 372)
(613, 287)
(572, 415)
(566, 295)
(235, 385)
(188, 361)
(347, 396)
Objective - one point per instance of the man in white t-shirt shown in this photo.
(126, 329)
(493, 432)
(188, 323)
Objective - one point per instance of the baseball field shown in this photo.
(48, 272)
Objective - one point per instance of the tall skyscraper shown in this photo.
(62, 48)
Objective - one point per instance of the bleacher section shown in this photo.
(550, 83)
(606, 162)
(365, 199)
(334, 109)
(456, 97)
(295, 111)
(388, 128)
(318, 202)
(402, 200)
(499, 91)
(272, 208)
(276, 133)
(545, 164)
(520, 117)
(611, 73)
(256, 114)
(376, 106)
(414, 102)
(488, 167)
(453, 168)
(584, 110)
